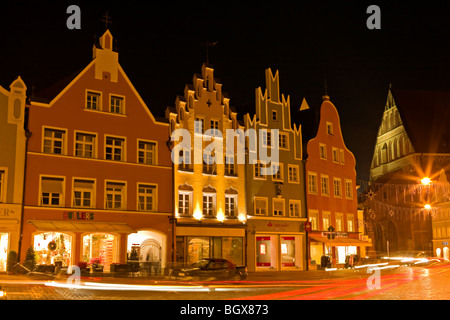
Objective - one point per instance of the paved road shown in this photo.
(402, 283)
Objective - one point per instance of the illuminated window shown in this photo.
(209, 201)
(326, 220)
(230, 205)
(313, 218)
(350, 223)
(339, 222)
(184, 202)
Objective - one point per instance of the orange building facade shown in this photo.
(99, 172)
(331, 192)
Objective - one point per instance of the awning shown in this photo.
(74, 226)
(341, 241)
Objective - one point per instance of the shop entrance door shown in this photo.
(4, 249)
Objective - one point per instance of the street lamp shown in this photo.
(427, 206)
(426, 181)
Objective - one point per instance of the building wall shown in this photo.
(339, 208)
(283, 233)
(12, 165)
(69, 112)
(204, 100)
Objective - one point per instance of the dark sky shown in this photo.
(160, 49)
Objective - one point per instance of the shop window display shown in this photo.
(3, 250)
(100, 249)
(263, 253)
(288, 251)
(52, 248)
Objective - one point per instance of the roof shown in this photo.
(48, 94)
(425, 116)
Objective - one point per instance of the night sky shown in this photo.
(160, 49)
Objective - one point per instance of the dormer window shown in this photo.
(329, 128)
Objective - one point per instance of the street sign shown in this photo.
(308, 226)
(331, 229)
(331, 235)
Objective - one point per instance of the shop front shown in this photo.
(441, 248)
(9, 231)
(193, 244)
(275, 245)
(150, 247)
(340, 248)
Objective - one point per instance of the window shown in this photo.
(337, 187)
(230, 169)
(230, 205)
(260, 206)
(348, 189)
(208, 163)
(277, 172)
(115, 149)
(293, 173)
(312, 182)
(54, 141)
(259, 169)
(117, 105)
(274, 115)
(209, 200)
(184, 202)
(314, 220)
(323, 151)
(2, 185)
(339, 222)
(146, 197)
(278, 208)
(326, 220)
(146, 152)
(83, 193)
(52, 191)
(335, 155)
(84, 145)
(294, 208)
(266, 138)
(350, 223)
(93, 100)
(283, 142)
(329, 128)
(115, 195)
(215, 127)
(185, 160)
(199, 125)
(342, 158)
(325, 189)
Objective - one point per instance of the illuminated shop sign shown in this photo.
(70, 215)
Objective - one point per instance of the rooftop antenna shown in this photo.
(106, 19)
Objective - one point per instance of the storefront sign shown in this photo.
(338, 234)
(69, 215)
(445, 243)
(9, 211)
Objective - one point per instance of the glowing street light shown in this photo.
(427, 206)
(426, 181)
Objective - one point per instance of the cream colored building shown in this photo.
(210, 209)
(12, 166)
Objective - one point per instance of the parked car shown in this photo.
(210, 269)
